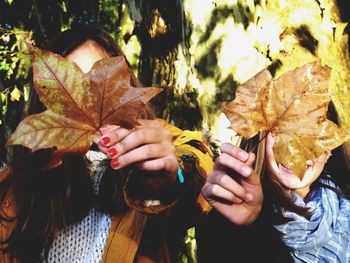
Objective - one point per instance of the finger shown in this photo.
(226, 182)
(145, 152)
(218, 193)
(251, 159)
(103, 130)
(102, 148)
(107, 128)
(226, 161)
(140, 137)
(254, 178)
(149, 123)
(113, 136)
(96, 138)
(234, 151)
(168, 164)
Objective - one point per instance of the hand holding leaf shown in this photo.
(293, 108)
(78, 104)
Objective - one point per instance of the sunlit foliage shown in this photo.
(14, 66)
(233, 40)
(197, 50)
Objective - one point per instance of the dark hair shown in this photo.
(46, 201)
(276, 197)
(67, 41)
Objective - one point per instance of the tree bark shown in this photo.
(161, 29)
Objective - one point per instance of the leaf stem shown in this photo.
(260, 140)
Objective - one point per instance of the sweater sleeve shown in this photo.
(219, 240)
(195, 161)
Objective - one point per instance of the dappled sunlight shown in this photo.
(132, 47)
(197, 51)
(241, 38)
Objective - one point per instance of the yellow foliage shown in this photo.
(15, 94)
(251, 37)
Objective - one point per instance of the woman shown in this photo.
(92, 207)
(270, 215)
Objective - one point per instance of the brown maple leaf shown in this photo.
(78, 104)
(293, 108)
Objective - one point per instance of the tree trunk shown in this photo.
(163, 33)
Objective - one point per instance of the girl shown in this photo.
(268, 214)
(92, 207)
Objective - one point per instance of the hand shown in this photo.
(148, 147)
(239, 199)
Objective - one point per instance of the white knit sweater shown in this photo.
(84, 242)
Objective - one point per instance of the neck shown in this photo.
(303, 191)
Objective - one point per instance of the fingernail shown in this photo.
(112, 152)
(243, 155)
(115, 163)
(105, 140)
(246, 170)
(238, 200)
(249, 197)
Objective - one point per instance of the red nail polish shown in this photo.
(115, 163)
(105, 140)
(112, 152)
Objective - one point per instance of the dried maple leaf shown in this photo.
(293, 108)
(78, 104)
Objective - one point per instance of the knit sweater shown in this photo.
(84, 242)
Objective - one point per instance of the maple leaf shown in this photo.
(293, 108)
(78, 104)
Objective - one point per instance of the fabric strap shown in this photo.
(124, 237)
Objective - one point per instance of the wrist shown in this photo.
(254, 216)
(156, 181)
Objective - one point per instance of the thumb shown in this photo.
(149, 123)
(105, 129)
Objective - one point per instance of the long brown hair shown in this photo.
(276, 196)
(46, 201)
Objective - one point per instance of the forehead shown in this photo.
(87, 54)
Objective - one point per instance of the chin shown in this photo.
(285, 170)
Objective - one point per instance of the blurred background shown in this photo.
(197, 50)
